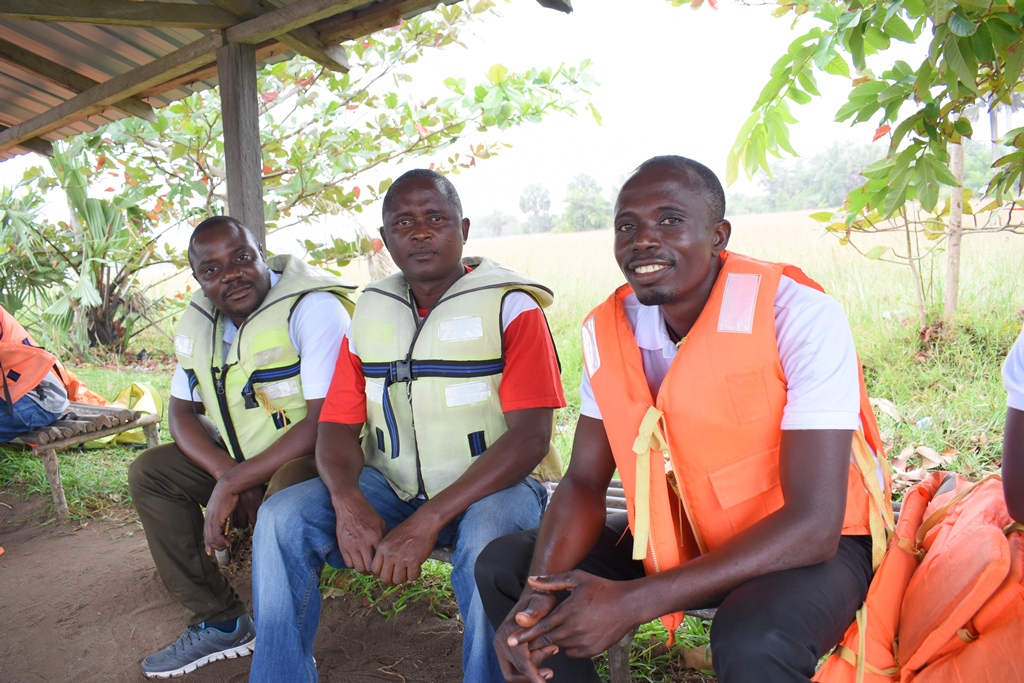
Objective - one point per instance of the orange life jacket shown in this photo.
(701, 463)
(23, 363)
(947, 603)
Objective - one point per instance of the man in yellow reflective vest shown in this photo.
(256, 349)
(441, 405)
(726, 392)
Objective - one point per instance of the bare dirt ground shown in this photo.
(84, 604)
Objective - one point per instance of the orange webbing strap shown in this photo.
(880, 518)
(936, 516)
(858, 660)
(649, 437)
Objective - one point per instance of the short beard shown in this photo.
(654, 297)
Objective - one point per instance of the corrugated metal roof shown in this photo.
(43, 59)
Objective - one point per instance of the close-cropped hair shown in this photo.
(699, 175)
(445, 185)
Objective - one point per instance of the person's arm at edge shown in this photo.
(1013, 463)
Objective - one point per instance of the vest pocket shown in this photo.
(748, 489)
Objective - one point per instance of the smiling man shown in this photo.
(441, 406)
(726, 391)
(256, 349)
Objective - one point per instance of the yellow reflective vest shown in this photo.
(256, 392)
(432, 386)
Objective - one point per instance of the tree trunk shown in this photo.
(993, 122)
(915, 274)
(955, 232)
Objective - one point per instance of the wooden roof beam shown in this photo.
(264, 52)
(119, 13)
(37, 145)
(363, 22)
(178, 63)
(288, 18)
(66, 78)
(181, 61)
(304, 40)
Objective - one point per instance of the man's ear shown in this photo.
(721, 232)
(383, 237)
(465, 230)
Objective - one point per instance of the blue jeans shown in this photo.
(296, 535)
(28, 415)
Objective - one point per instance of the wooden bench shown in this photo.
(618, 654)
(83, 422)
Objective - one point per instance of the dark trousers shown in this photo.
(170, 491)
(771, 629)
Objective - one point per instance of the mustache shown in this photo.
(234, 288)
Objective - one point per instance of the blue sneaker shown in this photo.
(198, 646)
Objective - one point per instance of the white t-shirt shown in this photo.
(815, 347)
(317, 326)
(1013, 375)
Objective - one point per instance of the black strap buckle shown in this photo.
(401, 371)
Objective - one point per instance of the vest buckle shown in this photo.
(401, 371)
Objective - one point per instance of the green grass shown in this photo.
(946, 390)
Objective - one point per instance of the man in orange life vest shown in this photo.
(1013, 436)
(34, 389)
(727, 393)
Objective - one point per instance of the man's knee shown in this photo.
(142, 470)
(748, 645)
(291, 473)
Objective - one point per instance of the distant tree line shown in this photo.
(824, 179)
(816, 182)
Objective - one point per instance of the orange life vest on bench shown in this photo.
(716, 421)
(23, 362)
(947, 603)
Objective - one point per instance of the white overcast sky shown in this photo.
(671, 81)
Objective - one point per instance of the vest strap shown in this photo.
(880, 519)
(649, 437)
(409, 370)
(267, 375)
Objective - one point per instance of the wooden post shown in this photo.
(243, 161)
(60, 503)
(152, 432)
(618, 658)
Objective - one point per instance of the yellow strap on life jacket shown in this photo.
(880, 518)
(937, 516)
(858, 660)
(649, 437)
